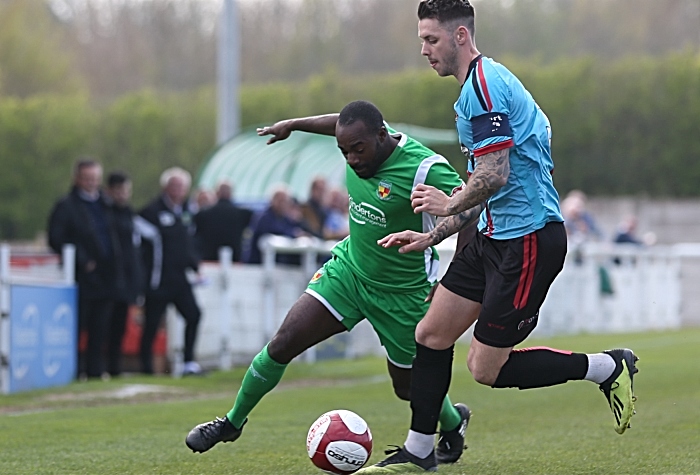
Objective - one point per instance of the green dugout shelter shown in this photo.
(255, 168)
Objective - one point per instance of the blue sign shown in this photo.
(43, 336)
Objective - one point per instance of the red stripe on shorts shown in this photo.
(527, 273)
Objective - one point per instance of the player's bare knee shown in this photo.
(481, 374)
(428, 336)
(485, 377)
(280, 348)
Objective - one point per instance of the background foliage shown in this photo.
(620, 128)
(131, 82)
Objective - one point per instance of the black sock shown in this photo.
(430, 380)
(540, 367)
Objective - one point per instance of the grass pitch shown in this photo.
(137, 425)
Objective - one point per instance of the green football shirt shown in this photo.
(381, 205)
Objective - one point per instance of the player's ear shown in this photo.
(461, 34)
(382, 134)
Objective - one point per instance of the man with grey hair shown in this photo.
(167, 259)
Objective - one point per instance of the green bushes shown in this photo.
(630, 127)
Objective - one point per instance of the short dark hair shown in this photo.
(448, 12)
(365, 112)
(117, 178)
(84, 162)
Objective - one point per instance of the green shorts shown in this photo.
(393, 316)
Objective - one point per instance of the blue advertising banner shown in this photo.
(43, 336)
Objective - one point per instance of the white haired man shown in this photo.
(167, 256)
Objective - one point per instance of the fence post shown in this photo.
(269, 254)
(68, 261)
(225, 308)
(4, 318)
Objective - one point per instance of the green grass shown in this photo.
(85, 429)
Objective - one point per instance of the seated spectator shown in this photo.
(276, 220)
(203, 199)
(627, 232)
(221, 225)
(579, 222)
(337, 220)
(314, 212)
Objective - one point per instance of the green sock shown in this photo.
(449, 416)
(262, 376)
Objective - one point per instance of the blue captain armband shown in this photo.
(490, 125)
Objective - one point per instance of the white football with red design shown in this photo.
(339, 442)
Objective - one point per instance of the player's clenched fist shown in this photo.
(428, 199)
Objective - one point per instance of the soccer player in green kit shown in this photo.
(362, 280)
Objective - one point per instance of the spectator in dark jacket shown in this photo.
(129, 283)
(83, 218)
(627, 232)
(314, 211)
(277, 219)
(221, 225)
(167, 257)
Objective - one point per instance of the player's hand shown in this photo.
(431, 294)
(428, 199)
(408, 240)
(279, 131)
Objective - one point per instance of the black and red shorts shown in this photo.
(510, 278)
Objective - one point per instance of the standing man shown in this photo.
(128, 269)
(168, 254)
(502, 276)
(221, 225)
(83, 218)
(362, 280)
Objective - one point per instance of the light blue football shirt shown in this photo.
(495, 111)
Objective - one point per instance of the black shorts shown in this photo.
(510, 278)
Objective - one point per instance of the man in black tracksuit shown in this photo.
(129, 269)
(168, 253)
(83, 218)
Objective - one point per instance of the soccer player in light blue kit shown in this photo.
(500, 279)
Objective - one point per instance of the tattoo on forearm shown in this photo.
(453, 224)
(489, 176)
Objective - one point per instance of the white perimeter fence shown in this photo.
(603, 288)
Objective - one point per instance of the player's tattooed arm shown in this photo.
(488, 177)
(453, 224)
(318, 124)
(490, 174)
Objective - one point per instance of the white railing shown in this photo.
(243, 305)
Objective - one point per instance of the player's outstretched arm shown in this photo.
(489, 176)
(318, 124)
(410, 241)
